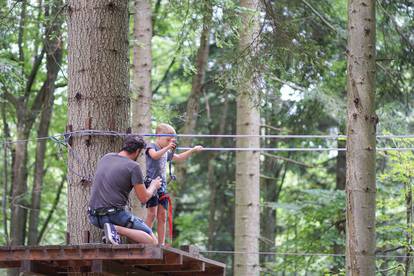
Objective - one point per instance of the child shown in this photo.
(157, 156)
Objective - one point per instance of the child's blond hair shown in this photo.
(164, 129)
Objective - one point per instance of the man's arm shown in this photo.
(184, 155)
(144, 194)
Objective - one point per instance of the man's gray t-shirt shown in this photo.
(114, 179)
(158, 168)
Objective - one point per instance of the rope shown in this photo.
(122, 134)
(293, 149)
(297, 254)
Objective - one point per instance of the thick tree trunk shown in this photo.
(361, 144)
(247, 212)
(141, 81)
(53, 61)
(97, 96)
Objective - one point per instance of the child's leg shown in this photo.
(151, 213)
(161, 225)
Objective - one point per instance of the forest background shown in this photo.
(300, 57)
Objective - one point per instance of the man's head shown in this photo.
(133, 145)
(163, 141)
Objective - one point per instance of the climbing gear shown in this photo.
(103, 211)
(170, 212)
(172, 176)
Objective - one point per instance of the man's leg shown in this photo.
(161, 224)
(151, 213)
(136, 235)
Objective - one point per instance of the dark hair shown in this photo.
(133, 143)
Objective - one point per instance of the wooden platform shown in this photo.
(103, 259)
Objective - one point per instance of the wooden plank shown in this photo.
(28, 267)
(193, 250)
(110, 259)
(81, 253)
(189, 265)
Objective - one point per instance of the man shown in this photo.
(116, 175)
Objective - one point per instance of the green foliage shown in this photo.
(301, 64)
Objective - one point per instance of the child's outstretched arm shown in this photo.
(184, 155)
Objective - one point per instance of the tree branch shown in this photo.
(164, 77)
(35, 68)
(288, 160)
(397, 28)
(9, 96)
(52, 210)
(324, 20)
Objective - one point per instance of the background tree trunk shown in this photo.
(53, 62)
(141, 82)
(361, 143)
(97, 96)
(247, 212)
(193, 102)
(339, 248)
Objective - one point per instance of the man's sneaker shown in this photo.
(110, 234)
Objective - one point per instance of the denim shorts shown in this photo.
(121, 218)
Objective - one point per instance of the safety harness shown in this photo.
(168, 198)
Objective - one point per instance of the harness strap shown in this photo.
(170, 212)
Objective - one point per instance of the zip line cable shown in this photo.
(297, 254)
(67, 135)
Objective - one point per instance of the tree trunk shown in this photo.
(6, 131)
(141, 82)
(361, 144)
(97, 97)
(338, 248)
(247, 212)
(53, 62)
(19, 202)
(193, 102)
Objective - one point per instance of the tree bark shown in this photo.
(338, 248)
(141, 82)
(247, 212)
(361, 143)
(5, 175)
(97, 97)
(53, 62)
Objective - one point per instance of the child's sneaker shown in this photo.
(110, 234)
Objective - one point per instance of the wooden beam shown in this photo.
(189, 265)
(109, 260)
(28, 267)
(81, 252)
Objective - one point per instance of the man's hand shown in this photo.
(156, 182)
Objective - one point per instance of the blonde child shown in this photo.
(157, 155)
